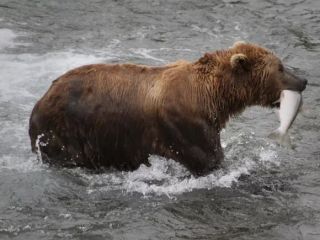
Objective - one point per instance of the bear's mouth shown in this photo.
(276, 104)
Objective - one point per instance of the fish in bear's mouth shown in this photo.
(289, 105)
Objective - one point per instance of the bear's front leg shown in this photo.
(192, 141)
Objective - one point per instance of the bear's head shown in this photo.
(259, 75)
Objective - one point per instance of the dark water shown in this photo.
(264, 191)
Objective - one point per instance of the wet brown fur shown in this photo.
(116, 115)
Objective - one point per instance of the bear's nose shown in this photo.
(304, 84)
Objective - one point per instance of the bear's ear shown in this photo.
(239, 61)
(205, 59)
(238, 43)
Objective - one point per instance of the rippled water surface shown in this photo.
(264, 191)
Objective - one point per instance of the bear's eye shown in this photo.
(281, 68)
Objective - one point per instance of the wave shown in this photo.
(168, 177)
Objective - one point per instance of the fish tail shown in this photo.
(282, 138)
(276, 134)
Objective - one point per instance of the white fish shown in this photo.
(290, 102)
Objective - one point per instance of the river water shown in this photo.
(264, 191)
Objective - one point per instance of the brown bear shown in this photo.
(101, 115)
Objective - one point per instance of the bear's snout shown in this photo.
(304, 83)
(293, 82)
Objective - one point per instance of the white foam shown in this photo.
(269, 157)
(7, 37)
(205, 31)
(24, 163)
(177, 49)
(181, 181)
(19, 73)
(166, 177)
(65, 215)
(146, 53)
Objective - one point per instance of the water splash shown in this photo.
(167, 177)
